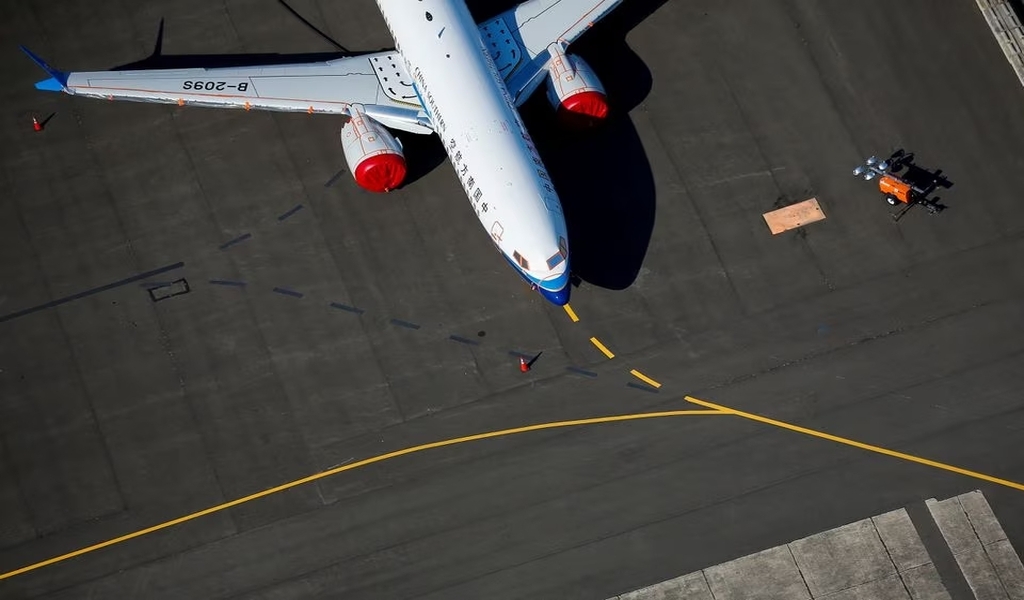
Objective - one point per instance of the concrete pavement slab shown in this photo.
(842, 558)
(770, 573)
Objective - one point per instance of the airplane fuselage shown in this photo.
(485, 138)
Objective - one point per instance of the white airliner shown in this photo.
(447, 75)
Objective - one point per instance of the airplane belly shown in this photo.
(483, 134)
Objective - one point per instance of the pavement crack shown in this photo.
(899, 330)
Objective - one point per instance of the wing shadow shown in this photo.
(159, 60)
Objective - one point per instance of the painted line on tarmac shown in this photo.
(334, 178)
(642, 387)
(290, 212)
(463, 340)
(95, 290)
(350, 466)
(856, 444)
(237, 240)
(347, 308)
(227, 282)
(572, 314)
(406, 324)
(288, 292)
(644, 378)
(604, 349)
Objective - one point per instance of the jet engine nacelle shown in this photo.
(374, 156)
(575, 91)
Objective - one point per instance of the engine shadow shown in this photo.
(603, 176)
(423, 154)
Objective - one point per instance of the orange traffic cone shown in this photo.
(524, 366)
(36, 125)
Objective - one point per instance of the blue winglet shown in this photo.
(58, 81)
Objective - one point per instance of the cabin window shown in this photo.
(525, 264)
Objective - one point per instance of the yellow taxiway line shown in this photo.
(856, 444)
(604, 349)
(644, 378)
(710, 408)
(572, 314)
(349, 467)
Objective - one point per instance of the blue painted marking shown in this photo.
(291, 212)
(237, 240)
(581, 371)
(95, 290)
(331, 181)
(227, 282)
(642, 387)
(287, 292)
(462, 340)
(348, 308)
(518, 354)
(405, 324)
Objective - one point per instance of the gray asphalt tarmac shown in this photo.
(317, 325)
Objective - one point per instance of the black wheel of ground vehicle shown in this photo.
(891, 200)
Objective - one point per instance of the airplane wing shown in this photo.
(378, 81)
(519, 39)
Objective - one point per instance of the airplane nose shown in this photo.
(559, 297)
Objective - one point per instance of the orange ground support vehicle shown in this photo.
(912, 186)
(895, 189)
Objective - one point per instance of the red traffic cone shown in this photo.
(524, 366)
(36, 125)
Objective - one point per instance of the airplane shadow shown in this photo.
(603, 176)
(423, 154)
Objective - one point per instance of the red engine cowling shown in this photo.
(575, 91)
(374, 156)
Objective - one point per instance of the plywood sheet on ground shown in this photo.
(793, 216)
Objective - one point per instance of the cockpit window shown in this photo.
(563, 253)
(525, 264)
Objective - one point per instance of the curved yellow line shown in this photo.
(349, 467)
